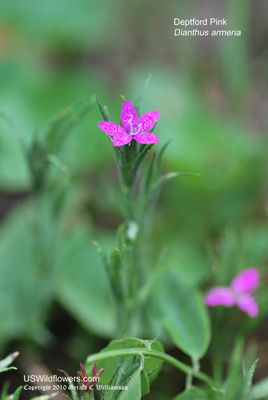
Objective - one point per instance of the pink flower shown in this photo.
(132, 128)
(87, 381)
(239, 293)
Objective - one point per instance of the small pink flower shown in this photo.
(239, 293)
(133, 128)
(87, 381)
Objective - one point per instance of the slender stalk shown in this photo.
(153, 353)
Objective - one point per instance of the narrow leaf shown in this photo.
(163, 179)
(101, 254)
(249, 377)
(139, 159)
(7, 361)
(65, 123)
(16, 395)
(184, 315)
(160, 156)
(104, 114)
(140, 96)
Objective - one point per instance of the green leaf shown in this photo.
(140, 96)
(20, 282)
(115, 261)
(184, 314)
(115, 273)
(260, 390)
(14, 171)
(234, 385)
(101, 254)
(137, 162)
(104, 113)
(134, 371)
(249, 377)
(161, 153)
(16, 395)
(82, 285)
(67, 120)
(134, 391)
(145, 382)
(163, 179)
(7, 361)
(192, 394)
(4, 392)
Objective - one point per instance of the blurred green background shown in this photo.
(212, 97)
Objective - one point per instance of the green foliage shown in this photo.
(82, 286)
(136, 372)
(192, 394)
(44, 152)
(184, 314)
(16, 394)
(260, 390)
(249, 377)
(56, 53)
(5, 363)
(141, 94)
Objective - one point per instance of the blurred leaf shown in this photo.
(191, 394)
(82, 284)
(184, 314)
(7, 361)
(20, 282)
(64, 124)
(14, 171)
(134, 391)
(140, 157)
(260, 390)
(234, 388)
(104, 113)
(101, 254)
(152, 365)
(163, 179)
(16, 395)
(4, 390)
(160, 157)
(249, 377)
(140, 96)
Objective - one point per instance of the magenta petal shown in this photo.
(220, 296)
(148, 120)
(121, 140)
(249, 305)
(94, 369)
(128, 115)
(146, 138)
(111, 128)
(83, 370)
(247, 281)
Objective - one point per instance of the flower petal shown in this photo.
(220, 296)
(146, 138)
(94, 370)
(249, 305)
(128, 115)
(111, 128)
(121, 140)
(148, 120)
(247, 281)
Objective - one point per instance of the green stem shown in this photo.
(152, 353)
(189, 381)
